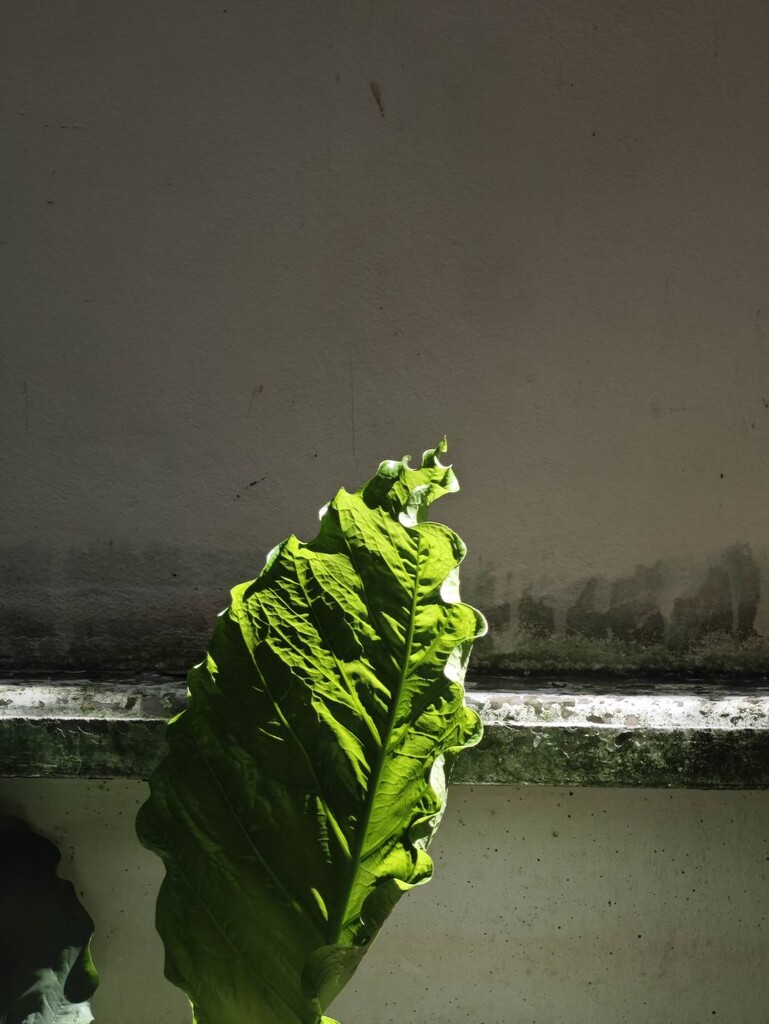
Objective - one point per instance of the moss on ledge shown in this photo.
(576, 734)
(680, 758)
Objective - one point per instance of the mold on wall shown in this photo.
(695, 618)
(114, 608)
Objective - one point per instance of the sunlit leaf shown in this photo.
(308, 773)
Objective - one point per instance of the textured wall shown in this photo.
(254, 248)
(582, 906)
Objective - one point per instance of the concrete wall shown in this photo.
(548, 906)
(252, 249)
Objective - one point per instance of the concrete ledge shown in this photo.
(544, 733)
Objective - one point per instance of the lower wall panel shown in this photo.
(548, 906)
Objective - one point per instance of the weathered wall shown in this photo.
(586, 906)
(254, 248)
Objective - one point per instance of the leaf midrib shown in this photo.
(385, 747)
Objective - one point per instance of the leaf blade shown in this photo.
(307, 775)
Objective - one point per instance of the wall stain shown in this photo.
(376, 92)
(253, 483)
(254, 395)
(724, 600)
(111, 607)
(535, 617)
(662, 618)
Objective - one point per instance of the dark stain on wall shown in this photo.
(632, 613)
(726, 602)
(535, 617)
(114, 608)
(498, 616)
(111, 607)
(660, 619)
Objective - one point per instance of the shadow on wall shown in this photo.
(665, 617)
(113, 608)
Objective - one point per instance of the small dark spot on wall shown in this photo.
(254, 395)
(376, 92)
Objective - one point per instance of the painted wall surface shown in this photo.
(251, 249)
(548, 906)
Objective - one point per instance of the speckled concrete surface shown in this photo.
(548, 906)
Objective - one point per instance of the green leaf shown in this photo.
(307, 775)
(46, 972)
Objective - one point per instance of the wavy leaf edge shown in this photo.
(405, 494)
